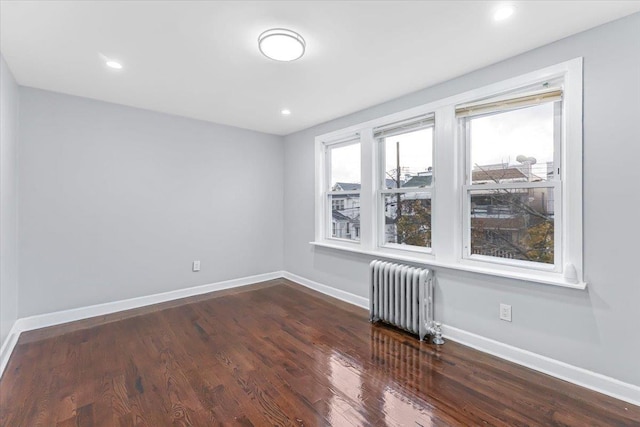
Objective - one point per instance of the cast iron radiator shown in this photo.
(402, 296)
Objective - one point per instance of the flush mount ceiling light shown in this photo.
(285, 112)
(280, 44)
(503, 13)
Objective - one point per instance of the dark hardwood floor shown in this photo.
(274, 354)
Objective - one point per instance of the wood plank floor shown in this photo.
(274, 354)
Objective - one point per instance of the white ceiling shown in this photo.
(200, 59)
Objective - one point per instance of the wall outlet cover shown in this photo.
(505, 312)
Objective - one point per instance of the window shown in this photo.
(407, 180)
(488, 181)
(512, 172)
(343, 189)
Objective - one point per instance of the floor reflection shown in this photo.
(402, 410)
(383, 388)
(400, 355)
(401, 361)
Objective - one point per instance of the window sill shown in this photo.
(427, 259)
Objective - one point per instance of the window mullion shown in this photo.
(445, 193)
(367, 194)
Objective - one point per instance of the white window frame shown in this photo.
(327, 192)
(448, 195)
(381, 190)
(555, 184)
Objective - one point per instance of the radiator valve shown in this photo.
(437, 334)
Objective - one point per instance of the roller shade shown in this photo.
(342, 141)
(404, 126)
(509, 102)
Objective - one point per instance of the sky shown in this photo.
(416, 152)
(345, 164)
(498, 138)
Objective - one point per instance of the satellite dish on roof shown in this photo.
(527, 160)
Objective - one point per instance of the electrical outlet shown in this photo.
(505, 312)
(196, 265)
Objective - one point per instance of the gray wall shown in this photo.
(116, 202)
(8, 200)
(595, 329)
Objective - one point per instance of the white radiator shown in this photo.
(402, 296)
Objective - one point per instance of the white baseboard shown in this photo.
(573, 374)
(328, 290)
(8, 345)
(66, 316)
(582, 377)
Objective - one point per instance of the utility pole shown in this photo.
(398, 196)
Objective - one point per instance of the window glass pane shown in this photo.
(409, 159)
(407, 219)
(345, 216)
(345, 167)
(515, 224)
(515, 146)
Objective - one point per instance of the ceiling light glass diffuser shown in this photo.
(285, 112)
(280, 44)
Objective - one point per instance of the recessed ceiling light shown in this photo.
(503, 13)
(114, 64)
(285, 112)
(281, 45)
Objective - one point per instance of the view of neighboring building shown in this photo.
(345, 212)
(513, 223)
(408, 215)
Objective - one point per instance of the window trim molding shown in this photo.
(447, 244)
(415, 258)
